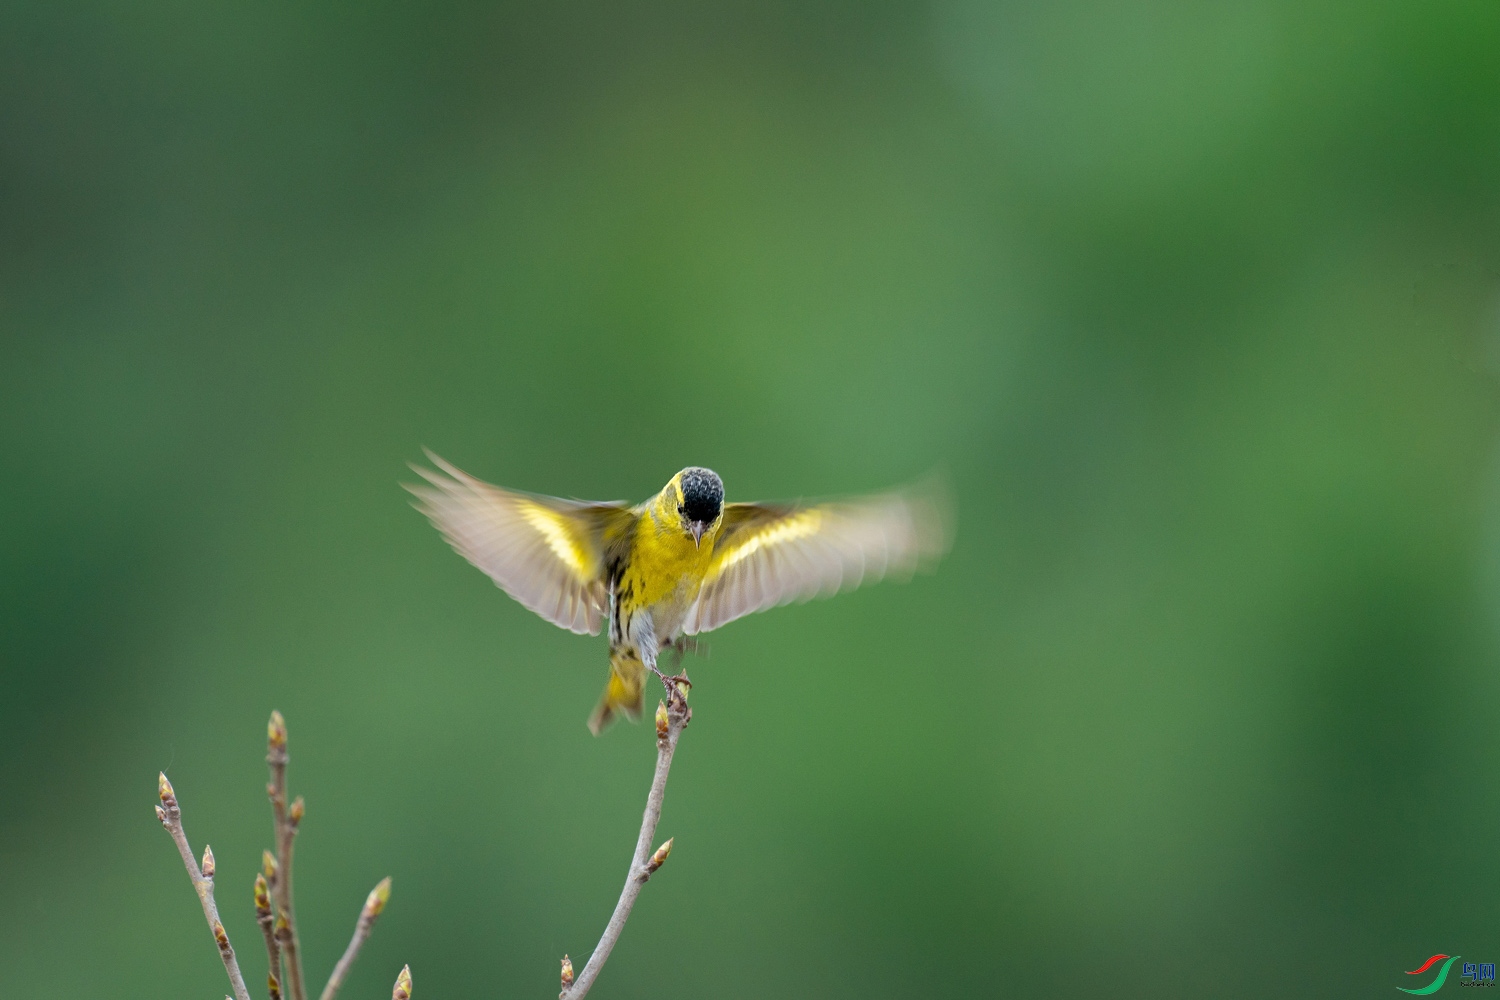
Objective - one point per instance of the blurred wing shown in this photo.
(768, 555)
(548, 554)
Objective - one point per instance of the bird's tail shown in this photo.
(623, 693)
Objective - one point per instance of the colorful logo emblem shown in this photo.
(1477, 974)
(1437, 983)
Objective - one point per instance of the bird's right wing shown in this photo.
(769, 554)
(548, 554)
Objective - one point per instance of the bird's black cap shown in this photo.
(702, 494)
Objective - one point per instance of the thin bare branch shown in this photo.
(265, 917)
(286, 820)
(374, 904)
(170, 814)
(671, 718)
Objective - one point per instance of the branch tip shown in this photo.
(202, 878)
(403, 985)
(374, 905)
(276, 733)
(263, 917)
(262, 897)
(378, 897)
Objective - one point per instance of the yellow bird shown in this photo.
(681, 563)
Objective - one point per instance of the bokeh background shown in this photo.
(1198, 304)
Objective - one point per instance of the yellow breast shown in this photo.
(664, 563)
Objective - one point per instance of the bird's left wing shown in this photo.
(548, 554)
(769, 554)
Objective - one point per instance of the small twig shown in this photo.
(374, 903)
(170, 814)
(273, 889)
(265, 917)
(671, 718)
(286, 820)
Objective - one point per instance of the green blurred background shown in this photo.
(1199, 304)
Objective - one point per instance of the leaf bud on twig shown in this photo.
(262, 897)
(208, 861)
(378, 897)
(567, 972)
(299, 808)
(658, 859)
(276, 732)
(403, 985)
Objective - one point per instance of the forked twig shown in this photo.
(671, 717)
(273, 885)
(170, 814)
(273, 889)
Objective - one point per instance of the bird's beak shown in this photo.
(697, 528)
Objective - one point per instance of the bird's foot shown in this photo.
(677, 685)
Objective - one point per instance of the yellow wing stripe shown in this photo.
(557, 537)
(774, 555)
(545, 553)
(802, 525)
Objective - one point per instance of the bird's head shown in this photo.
(696, 499)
